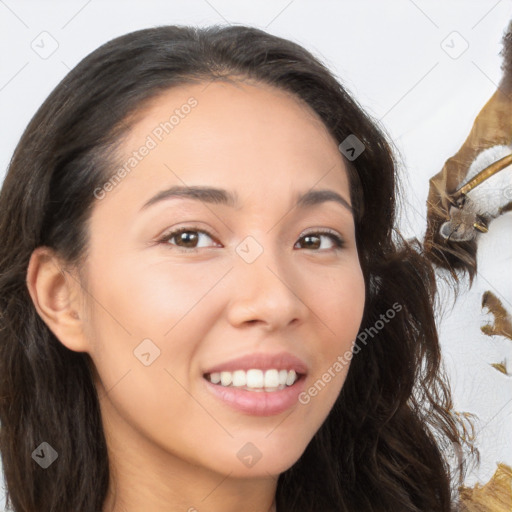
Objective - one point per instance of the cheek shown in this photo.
(338, 301)
(145, 333)
(150, 299)
(133, 302)
(339, 304)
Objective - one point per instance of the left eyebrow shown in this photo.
(221, 196)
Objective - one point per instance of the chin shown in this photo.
(264, 456)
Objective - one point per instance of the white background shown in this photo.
(390, 57)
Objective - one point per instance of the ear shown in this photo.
(57, 297)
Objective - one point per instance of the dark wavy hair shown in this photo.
(384, 444)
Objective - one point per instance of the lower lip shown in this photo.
(258, 403)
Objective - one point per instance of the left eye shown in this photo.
(339, 243)
(190, 237)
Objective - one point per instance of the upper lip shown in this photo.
(263, 361)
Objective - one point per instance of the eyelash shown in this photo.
(338, 241)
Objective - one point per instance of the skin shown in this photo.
(170, 441)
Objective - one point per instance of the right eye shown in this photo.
(188, 236)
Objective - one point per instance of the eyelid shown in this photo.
(321, 231)
(187, 226)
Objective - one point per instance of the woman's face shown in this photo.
(254, 278)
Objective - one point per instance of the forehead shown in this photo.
(241, 136)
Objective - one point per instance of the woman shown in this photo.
(244, 366)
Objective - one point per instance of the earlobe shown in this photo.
(55, 294)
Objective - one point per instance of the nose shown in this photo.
(266, 291)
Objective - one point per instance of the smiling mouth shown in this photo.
(255, 379)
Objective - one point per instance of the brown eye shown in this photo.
(313, 240)
(189, 238)
(185, 238)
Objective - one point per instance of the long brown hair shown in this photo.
(382, 445)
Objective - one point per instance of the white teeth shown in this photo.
(239, 378)
(226, 378)
(271, 379)
(292, 376)
(255, 379)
